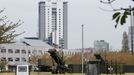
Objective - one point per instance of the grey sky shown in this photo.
(97, 23)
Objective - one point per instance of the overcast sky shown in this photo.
(98, 24)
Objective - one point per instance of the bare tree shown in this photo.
(7, 33)
(7, 30)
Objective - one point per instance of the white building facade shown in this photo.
(20, 52)
(53, 22)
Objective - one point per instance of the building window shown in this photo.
(3, 59)
(40, 52)
(29, 51)
(17, 59)
(3, 50)
(34, 52)
(23, 51)
(10, 59)
(17, 51)
(45, 52)
(10, 51)
(23, 59)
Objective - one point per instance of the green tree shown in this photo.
(2, 65)
(125, 47)
(121, 14)
(120, 17)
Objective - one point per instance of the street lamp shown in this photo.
(132, 26)
(82, 47)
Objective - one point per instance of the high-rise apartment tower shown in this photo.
(53, 22)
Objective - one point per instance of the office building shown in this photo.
(101, 45)
(19, 53)
(53, 22)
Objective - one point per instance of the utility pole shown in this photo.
(82, 48)
(132, 27)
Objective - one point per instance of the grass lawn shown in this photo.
(41, 73)
(121, 74)
(49, 73)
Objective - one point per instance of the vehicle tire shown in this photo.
(52, 72)
(56, 72)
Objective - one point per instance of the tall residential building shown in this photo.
(101, 45)
(129, 36)
(53, 22)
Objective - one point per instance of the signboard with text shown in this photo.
(22, 70)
